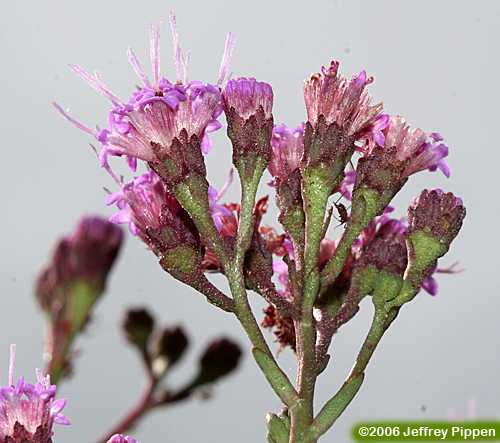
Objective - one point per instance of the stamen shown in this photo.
(96, 82)
(73, 121)
(185, 66)
(155, 53)
(138, 69)
(179, 62)
(12, 363)
(226, 185)
(226, 59)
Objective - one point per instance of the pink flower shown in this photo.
(28, 412)
(287, 150)
(343, 102)
(145, 126)
(419, 150)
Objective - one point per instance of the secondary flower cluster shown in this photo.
(68, 287)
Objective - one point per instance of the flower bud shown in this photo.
(287, 151)
(219, 359)
(72, 282)
(138, 326)
(171, 345)
(86, 256)
(248, 107)
(435, 218)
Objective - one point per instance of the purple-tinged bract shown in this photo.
(438, 213)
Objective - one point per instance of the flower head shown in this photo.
(248, 107)
(28, 411)
(140, 203)
(287, 150)
(343, 102)
(153, 214)
(72, 282)
(385, 246)
(159, 111)
(246, 96)
(438, 213)
(418, 150)
(120, 438)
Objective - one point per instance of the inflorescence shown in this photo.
(346, 161)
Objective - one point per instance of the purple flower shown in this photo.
(343, 102)
(145, 126)
(346, 186)
(419, 150)
(140, 203)
(287, 150)
(119, 438)
(224, 218)
(28, 411)
(246, 96)
(430, 285)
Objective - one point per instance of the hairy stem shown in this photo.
(234, 273)
(339, 402)
(315, 196)
(336, 264)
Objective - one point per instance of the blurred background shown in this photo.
(436, 63)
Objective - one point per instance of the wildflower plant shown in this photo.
(347, 148)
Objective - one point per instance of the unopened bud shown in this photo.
(219, 359)
(248, 107)
(435, 218)
(171, 345)
(138, 326)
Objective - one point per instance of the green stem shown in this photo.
(339, 402)
(193, 196)
(366, 205)
(234, 273)
(336, 264)
(316, 190)
(335, 407)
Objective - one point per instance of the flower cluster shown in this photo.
(346, 161)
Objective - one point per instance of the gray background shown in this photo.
(434, 62)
